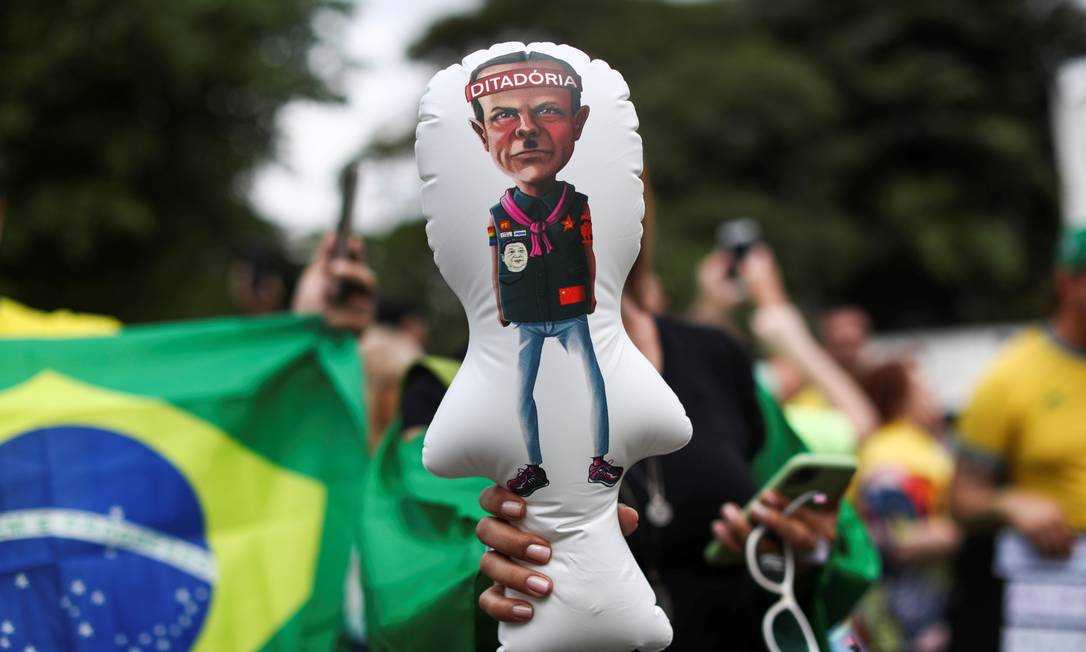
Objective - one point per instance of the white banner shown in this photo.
(1069, 133)
(1044, 599)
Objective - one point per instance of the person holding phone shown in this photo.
(841, 416)
(320, 282)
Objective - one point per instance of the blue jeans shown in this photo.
(574, 337)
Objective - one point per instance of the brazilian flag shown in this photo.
(181, 486)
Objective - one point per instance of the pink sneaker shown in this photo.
(529, 478)
(604, 473)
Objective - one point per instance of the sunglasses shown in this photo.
(784, 626)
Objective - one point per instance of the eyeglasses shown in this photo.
(784, 622)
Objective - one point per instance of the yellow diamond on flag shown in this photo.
(262, 523)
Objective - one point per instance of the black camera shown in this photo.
(737, 237)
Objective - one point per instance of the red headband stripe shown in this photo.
(521, 78)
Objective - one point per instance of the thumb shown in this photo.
(323, 252)
(627, 519)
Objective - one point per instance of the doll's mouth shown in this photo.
(532, 153)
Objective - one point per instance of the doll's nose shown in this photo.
(527, 127)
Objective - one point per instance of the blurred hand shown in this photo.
(715, 289)
(1040, 520)
(762, 277)
(936, 537)
(779, 326)
(507, 543)
(323, 276)
(803, 528)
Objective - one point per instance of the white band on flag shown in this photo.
(110, 532)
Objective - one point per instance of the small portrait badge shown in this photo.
(515, 256)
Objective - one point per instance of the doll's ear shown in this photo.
(579, 118)
(480, 131)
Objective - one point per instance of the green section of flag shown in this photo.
(282, 396)
(418, 551)
(419, 555)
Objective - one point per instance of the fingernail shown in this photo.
(759, 509)
(537, 553)
(538, 584)
(522, 612)
(512, 509)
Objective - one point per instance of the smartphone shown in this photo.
(737, 237)
(827, 473)
(348, 187)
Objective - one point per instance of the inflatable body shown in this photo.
(531, 162)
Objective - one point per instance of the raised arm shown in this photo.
(779, 325)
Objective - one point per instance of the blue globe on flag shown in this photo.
(98, 556)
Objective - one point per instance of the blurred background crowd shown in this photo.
(877, 199)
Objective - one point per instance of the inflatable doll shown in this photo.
(531, 162)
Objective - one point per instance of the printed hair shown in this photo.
(522, 57)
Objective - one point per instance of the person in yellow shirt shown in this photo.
(1023, 436)
(902, 490)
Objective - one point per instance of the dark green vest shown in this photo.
(547, 289)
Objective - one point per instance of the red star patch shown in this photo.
(567, 224)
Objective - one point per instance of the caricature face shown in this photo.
(515, 256)
(530, 132)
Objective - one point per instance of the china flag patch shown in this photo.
(505, 225)
(574, 294)
(586, 232)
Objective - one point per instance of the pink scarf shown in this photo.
(537, 228)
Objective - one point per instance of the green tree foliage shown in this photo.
(128, 129)
(897, 153)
